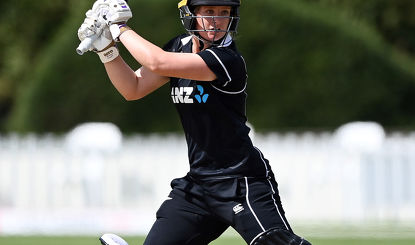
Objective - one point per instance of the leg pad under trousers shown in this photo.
(278, 236)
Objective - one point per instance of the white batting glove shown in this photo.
(118, 29)
(113, 11)
(116, 14)
(94, 26)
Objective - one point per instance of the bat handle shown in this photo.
(85, 45)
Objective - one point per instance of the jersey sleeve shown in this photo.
(228, 66)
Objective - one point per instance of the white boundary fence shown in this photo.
(48, 187)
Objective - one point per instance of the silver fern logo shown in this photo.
(201, 97)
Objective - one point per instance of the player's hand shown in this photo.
(119, 12)
(116, 14)
(113, 11)
(94, 25)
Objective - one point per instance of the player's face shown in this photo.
(212, 23)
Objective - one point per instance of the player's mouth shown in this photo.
(213, 33)
(213, 30)
(210, 31)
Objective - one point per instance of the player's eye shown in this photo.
(225, 13)
(210, 12)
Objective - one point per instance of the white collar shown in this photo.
(226, 42)
(186, 40)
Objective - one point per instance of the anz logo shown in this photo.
(183, 95)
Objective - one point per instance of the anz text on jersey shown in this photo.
(183, 95)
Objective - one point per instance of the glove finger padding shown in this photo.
(118, 12)
(95, 25)
(104, 40)
(90, 27)
(113, 11)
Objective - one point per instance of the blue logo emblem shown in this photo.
(201, 98)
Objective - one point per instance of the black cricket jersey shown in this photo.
(213, 115)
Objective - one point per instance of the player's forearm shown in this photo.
(123, 78)
(146, 53)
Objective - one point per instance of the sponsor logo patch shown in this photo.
(238, 208)
(184, 95)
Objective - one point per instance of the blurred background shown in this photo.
(331, 103)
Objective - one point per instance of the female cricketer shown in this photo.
(230, 183)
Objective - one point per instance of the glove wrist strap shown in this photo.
(108, 54)
(118, 29)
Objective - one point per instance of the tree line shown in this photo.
(311, 64)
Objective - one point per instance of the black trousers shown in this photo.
(197, 213)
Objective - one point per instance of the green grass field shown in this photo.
(60, 240)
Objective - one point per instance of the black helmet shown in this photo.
(188, 17)
(211, 2)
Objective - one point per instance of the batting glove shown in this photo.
(116, 14)
(94, 26)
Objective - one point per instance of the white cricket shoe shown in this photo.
(112, 239)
